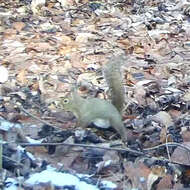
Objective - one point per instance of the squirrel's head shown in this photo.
(70, 102)
(66, 103)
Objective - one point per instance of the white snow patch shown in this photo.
(55, 177)
(11, 184)
(59, 179)
(5, 125)
(33, 141)
(83, 185)
(109, 184)
(107, 163)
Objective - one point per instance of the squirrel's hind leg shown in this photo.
(81, 123)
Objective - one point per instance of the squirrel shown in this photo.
(113, 76)
(94, 110)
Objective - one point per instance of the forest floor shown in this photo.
(47, 46)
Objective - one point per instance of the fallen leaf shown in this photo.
(10, 33)
(164, 118)
(21, 77)
(19, 26)
(181, 155)
(151, 179)
(138, 173)
(40, 46)
(165, 182)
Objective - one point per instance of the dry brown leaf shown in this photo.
(178, 186)
(35, 86)
(137, 171)
(67, 40)
(140, 93)
(78, 22)
(158, 170)
(186, 135)
(67, 49)
(87, 79)
(138, 49)
(67, 2)
(76, 60)
(21, 77)
(19, 26)
(40, 46)
(50, 4)
(164, 118)
(165, 182)
(10, 34)
(110, 158)
(175, 113)
(181, 155)
(64, 150)
(126, 44)
(36, 5)
(40, 150)
(186, 96)
(164, 137)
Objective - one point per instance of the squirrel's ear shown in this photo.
(73, 88)
(73, 91)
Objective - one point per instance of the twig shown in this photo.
(167, 148)
(37, 118)
(8, 158)
(85, 146)
(168, 144)
(1, 151)
(126, 149)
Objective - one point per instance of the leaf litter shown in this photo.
(47, 46)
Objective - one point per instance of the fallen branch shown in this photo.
(85, 146)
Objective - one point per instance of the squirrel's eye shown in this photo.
(66, 101)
